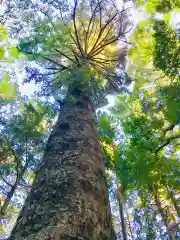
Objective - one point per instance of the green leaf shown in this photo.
(167, 18)
(7, 89)
(149, 7)
(2, 52)
(3, 33)
(13, 51)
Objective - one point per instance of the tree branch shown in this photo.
(75, 28)
(64, 55)
(167, 142)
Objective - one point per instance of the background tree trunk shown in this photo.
(69, 197)
(163, 214)
(7, 201)
(121, 212)
(174, 201)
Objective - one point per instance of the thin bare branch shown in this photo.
(64, 55)
(101, 32)
(9, 184)
(167, 142)
(5, 191)
(92, 18)
(58, 64)
(75, 27)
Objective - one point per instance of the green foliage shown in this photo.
(171, 101)
(8, 89)
(3, 33)
(3, 38)
(162, 6)
(148, 154)
(30, 123)
(13, 51)
(82, 48)
(167, 5)
(24, 128)
(44, 40)
(107, 131)
(167, 49)
(2, 52)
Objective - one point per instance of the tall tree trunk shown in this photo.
(162, 213)
(69, 197)
(174, 201)
(129, 223)
(121, 211)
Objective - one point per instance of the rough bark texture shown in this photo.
(69, 198)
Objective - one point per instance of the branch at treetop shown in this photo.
(75, 28)
(103, 60)
(98, 50)
(74, 40)
(51, 22)
(75, 55)
(101, 32)
(100, 66)
(89, 24)
(105, 76)
(123, 33)
(58, 64)
(64, 55)
(100, 15)
(93, 29)
(105, 67)
(84, 33)
(93, 50)
(110, 28)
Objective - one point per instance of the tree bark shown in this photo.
(69, 197)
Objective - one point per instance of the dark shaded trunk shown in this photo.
(121, 211)
(69, 197)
